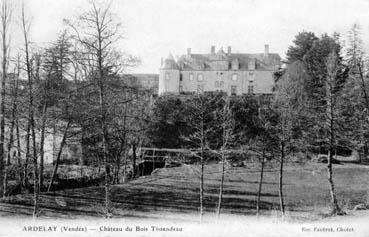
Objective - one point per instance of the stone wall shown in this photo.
(207, 80)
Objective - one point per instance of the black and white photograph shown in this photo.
(184, 118)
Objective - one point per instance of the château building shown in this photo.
(233, 73)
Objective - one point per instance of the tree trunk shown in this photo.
(2, 137)
(125, 167)
(104, 143)
(134, 158)
(5, 21)
(19, 157)
(42, 144)
(62, 144)
(202, 172)
(10, 146)
(2, 129)
(260, 185)
(334, 204)
(220, 196)
(31, 120)
(35, 175)
(281, 201)
(28, 142)
(331, 119)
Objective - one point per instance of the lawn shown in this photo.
(175, 190)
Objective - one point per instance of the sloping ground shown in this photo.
(175, 190)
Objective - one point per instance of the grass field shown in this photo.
(172, 191)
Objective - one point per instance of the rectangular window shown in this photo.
(233, 90)
(180, 89)
(180, 77)
(219, 84)
(167, 76)
(200, 77)
(234, 77)
(250, 88)
(191, 77)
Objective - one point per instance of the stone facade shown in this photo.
(233, 73)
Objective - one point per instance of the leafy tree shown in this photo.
(245, 110)
(315, 60)
(356, 91)
(314, 93)
(354, 50)
(302, 44)
(168, 122)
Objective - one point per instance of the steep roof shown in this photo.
(170, 63)
(206, 61)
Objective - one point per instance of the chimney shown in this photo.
(212, 49)
(229, 50)
(266, 50)
(188, 52)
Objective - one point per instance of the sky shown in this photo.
(153, 28)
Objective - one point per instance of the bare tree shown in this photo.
(31, 119)
(55, 65)
(261, 146)
(98, 30)
(201, 109)
(331, 123)
(6, 15)
(260, 186)
(16, 112)
(280, 130)
(227, 124)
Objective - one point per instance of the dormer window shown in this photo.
(235, 64)
(252, 64)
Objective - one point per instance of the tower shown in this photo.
(169, 76)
